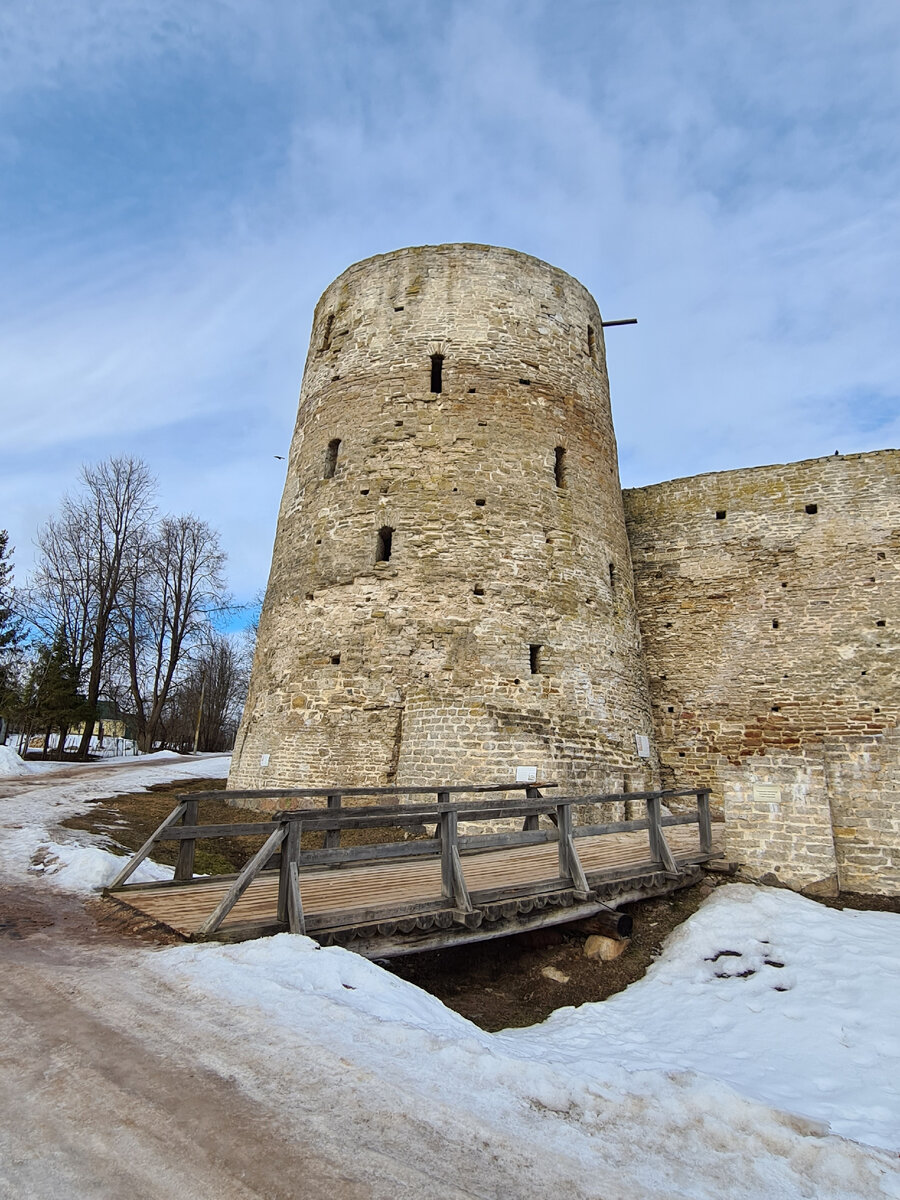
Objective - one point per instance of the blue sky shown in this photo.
(179, 182)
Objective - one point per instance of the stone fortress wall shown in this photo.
(450, 595)
(769, 603)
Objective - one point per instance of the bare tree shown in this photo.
(174, 578)
(206, 706)
(86, 555)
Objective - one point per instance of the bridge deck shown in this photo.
(404, 891)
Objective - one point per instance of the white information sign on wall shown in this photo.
(264, 760)
(766, 793)
(526, 774)
(643, 745)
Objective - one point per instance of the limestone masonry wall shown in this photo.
(452, 593)
(499, 627)
(769, 602)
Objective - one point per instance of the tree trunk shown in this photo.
(85, 744)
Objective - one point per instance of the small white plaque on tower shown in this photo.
(766, 793)
(264, 760)
(526, 774)
(643, 745)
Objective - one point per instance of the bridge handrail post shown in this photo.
(659, 847)
(290, 904)
(704, 821)
(184, 866)
(532, 822)
(333, 836)
(569, 863)
(453, 882)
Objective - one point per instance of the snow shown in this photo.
(792, 1003)
(33, 843)
(826, 1048)
(759, 1057)
(11, 765)
(87, 869)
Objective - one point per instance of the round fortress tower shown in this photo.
(451, 591)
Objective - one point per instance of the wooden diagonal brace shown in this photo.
(243, 881)
(135, 861)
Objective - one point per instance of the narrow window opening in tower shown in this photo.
(881, 624)
(534, 659)
(720, 514)
(774, 624)
(525, 382)
(612, 575)
(384, 544)
(478, 590)
(336, 660)
(326, 336)
(437, 373)
(590, 332)
(331, 457)
(480, 503)
(812, 508)
(559, 468)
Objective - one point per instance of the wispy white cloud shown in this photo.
(727, 173)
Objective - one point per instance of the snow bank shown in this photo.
(798, 1013)
(87, 869)
(11, 765)
(573, 1086)
(790, 1002)
(32, 841)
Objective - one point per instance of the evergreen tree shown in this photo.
(53, 701)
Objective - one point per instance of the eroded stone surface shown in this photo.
(502, 630)
(504, 625)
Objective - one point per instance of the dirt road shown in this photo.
(110, 1088)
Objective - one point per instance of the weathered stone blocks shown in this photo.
(450, 594)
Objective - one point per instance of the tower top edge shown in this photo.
(457, 250)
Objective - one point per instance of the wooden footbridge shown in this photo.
(421, 892)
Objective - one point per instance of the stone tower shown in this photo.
(451, 591)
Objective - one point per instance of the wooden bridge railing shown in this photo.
(285, 827)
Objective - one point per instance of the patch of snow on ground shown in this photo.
(89, 868)
(790, 1002)
(801, 1013)
(32, 841)
(11, 765)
